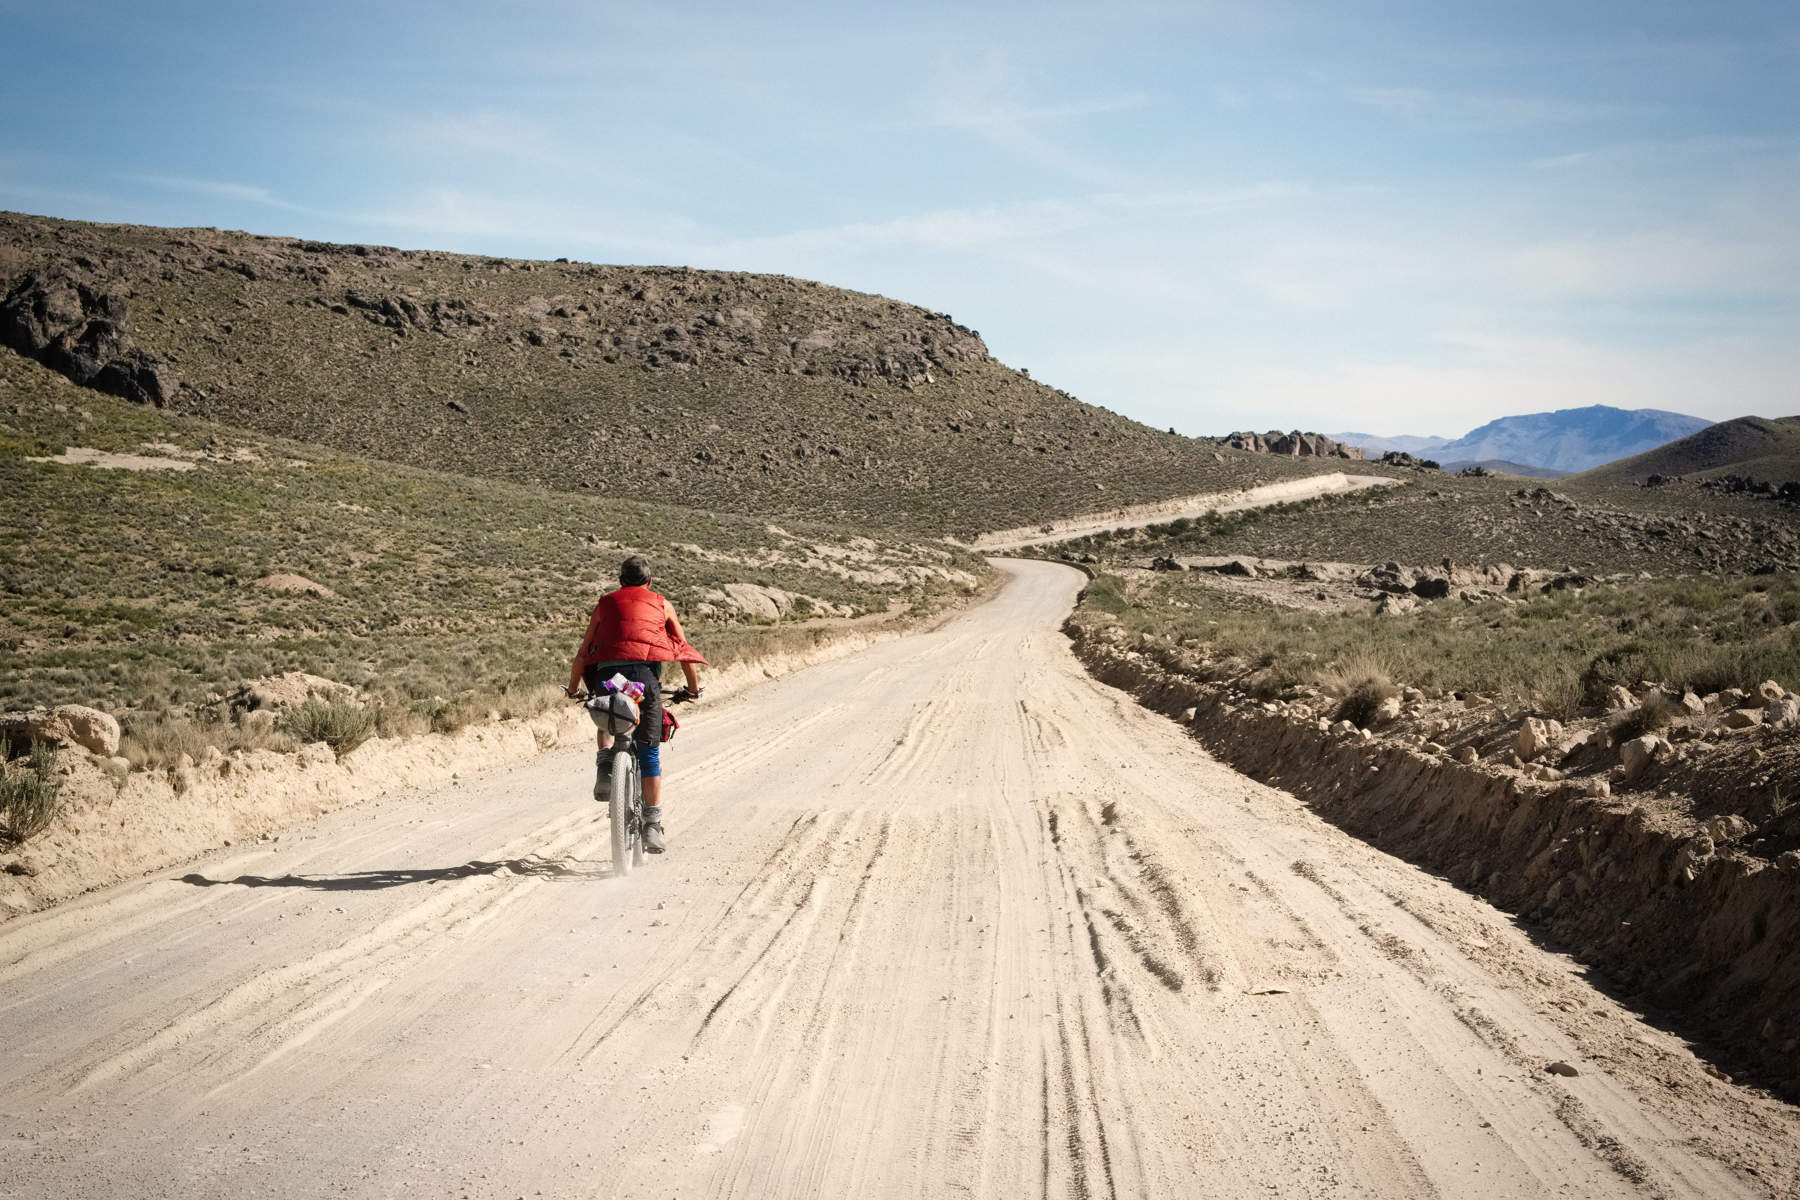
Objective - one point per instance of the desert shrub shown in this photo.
(340, 724)
(1105, 593)
(1655, 712)
(1362, 684)
(397, 718)
(452, 715)
(159, 742)
(1558, 694)
(516, 702)
(28, 792)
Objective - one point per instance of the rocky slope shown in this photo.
(1663, 531)
(747, 393)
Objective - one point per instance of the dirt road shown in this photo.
(946, 918)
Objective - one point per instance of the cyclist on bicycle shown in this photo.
(632, 633)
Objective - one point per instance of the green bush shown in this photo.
(340, 724)
(28, 793)
(1106, 593)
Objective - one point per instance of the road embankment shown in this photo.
(1703, 936)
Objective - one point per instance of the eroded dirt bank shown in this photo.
(1706, 936)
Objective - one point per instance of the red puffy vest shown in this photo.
(631, 628)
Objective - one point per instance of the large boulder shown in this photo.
(272, 693)
(1782, 712)
(64, 725)
(1640, 752)
(1536, 737)
(1393, 605)
(1743, 718)
(1431, 587)
(82, 332)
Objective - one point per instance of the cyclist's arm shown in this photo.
(587, 639)
(689, 671)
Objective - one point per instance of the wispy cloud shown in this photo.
(986, 228)
(994, 113)
(460, 213)
(990, 97)
(218, 189)
(1471, 110)
(1670, 262)
(1655, 149)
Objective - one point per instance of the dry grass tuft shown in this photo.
(158, 743)
(1655, 712)
(28, 792)
(1363, 684)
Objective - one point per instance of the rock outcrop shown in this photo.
(1294, 444)
(81, 332)
(64, 725)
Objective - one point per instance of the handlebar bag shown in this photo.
(614, 712)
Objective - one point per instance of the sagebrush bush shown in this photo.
(1362, 683)
(1655, 712)
(159, 742)
(1359, 705)
(340, 724)
(29, 791)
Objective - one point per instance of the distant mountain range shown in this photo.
(1568, 440)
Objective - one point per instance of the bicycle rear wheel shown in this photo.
(619, 805)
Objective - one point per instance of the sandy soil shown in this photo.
(942, 918)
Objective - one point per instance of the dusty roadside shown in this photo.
(110, 829)
(1691, 927)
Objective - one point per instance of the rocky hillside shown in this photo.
(151, 563)
(1570, 439)
(1749, 446)
(729, 391)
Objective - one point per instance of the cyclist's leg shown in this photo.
(590, 678)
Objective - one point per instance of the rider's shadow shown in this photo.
(367, 881)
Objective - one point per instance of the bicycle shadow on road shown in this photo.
(368, 881)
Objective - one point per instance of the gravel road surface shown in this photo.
(945, 918)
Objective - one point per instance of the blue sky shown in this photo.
(1390, 217)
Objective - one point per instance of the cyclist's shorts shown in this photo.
(650, 709)
(649, 759)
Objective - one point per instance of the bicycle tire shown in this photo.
(624, 776)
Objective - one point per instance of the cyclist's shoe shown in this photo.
(603, 761)
(653, 830)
